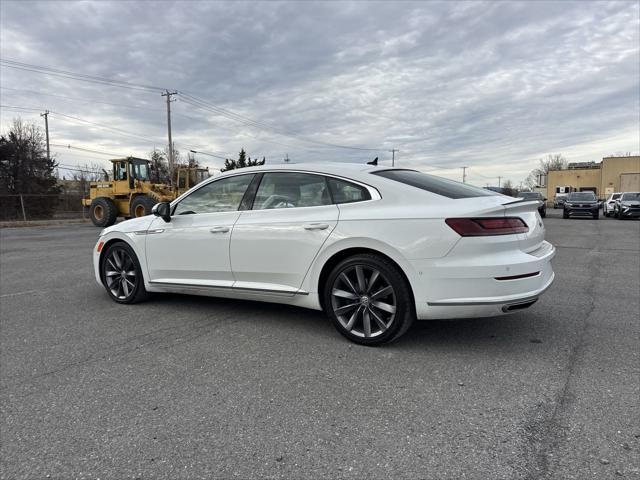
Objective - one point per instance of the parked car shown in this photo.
(373, 247)
(628, 205)
(609, 204)
(581, 204)
(542, 205)
(558, 201)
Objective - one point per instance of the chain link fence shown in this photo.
(41, 207)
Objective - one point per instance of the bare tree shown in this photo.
(159, 166)
(554, 161)
(86, 174)
(509, 189)
(26, 170)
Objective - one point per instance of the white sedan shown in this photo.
(373, 247)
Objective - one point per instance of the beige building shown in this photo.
(613, 174)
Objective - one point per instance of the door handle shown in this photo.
(219, 229)
(315, 226)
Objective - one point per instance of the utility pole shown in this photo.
(393, 156)
(499, 178)
(286, 158)
(464, 174)
(46, 129)
(168, 94)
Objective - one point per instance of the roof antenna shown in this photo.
(373, 162)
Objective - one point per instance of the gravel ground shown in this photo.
(190, 387)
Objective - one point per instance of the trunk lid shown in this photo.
(502, 206)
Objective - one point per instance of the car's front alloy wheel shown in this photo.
(121, 274)
(368, 300)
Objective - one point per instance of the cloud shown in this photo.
(492, 86)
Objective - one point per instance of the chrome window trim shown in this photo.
(375, 194)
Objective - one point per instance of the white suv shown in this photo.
(609, 203)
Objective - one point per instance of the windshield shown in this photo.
(529, 195)
(581, 197)
(630, 197)
(615, 196)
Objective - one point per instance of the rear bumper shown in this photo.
(492, 285)
(488, 306)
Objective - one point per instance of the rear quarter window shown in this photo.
(347, 192)
(439, 186)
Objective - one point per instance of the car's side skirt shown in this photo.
(222, 289)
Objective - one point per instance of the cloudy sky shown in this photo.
(492, 86)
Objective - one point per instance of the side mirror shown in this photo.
(162, 210)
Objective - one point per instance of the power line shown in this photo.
(193, 150)
(197, 102)
(75, 119)
(13, 107)
(83, 100)
(95, 124)
(112, 155)
(114, 129)
(77, 168)
(191, 99)
(77, 76)
(235, 131)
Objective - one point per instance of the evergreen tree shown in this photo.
(241, 162)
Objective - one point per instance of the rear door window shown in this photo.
(291, 190)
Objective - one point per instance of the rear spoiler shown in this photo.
(520, 200)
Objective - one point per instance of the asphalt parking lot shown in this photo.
(190, 387)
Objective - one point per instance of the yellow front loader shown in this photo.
(130, 193)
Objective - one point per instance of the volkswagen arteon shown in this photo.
(374, 247)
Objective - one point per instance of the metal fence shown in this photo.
(41, 207)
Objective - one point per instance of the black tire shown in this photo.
(596, 215)
(543, 214)
(103, 212)
(620, 217)
(389, 287)
(141, 206)
(121, 274)
(565, 214)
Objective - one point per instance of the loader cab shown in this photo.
(188, 177)
(127, 171)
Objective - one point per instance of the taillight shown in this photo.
(481, 227)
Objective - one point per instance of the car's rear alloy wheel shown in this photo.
(369, 300)
(122, 275)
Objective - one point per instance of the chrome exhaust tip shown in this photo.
(510, 307)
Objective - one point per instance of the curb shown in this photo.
(44, 223)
